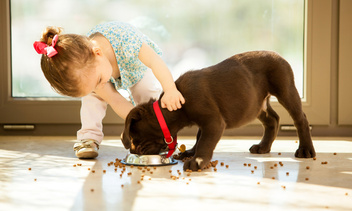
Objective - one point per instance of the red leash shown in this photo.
(171, 142)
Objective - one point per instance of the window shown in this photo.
(192, 34)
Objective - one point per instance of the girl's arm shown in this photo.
(172, 98)
(117, 102)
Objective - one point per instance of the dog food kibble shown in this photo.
(122, 186)
(227, 166)
(283, 186)
(139, 182)
(273, 178)
(245, 164)
(199, 170)
(279, 153)
(35, 180)
(346, 194)
(271, 167)
(104, 171)
(249, 165)
(222, 164)
(287, 173)
(325, 162)
(307, 178)
(252, 172)
(335, 153)
(92, 190)
(170, 171)
(74, 165)
(29, 169)
(307, 167)
(255, 167)
(188, 174)
(275, 165)
(129, 173)
(88, 169)
(314, 158)
(182, 148)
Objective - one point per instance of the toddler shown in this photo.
(112, 56)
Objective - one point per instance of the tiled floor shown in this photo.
(53, 183)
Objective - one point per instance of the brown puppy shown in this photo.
(226, 95)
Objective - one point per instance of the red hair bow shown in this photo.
(43, 48)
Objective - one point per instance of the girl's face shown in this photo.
(96, 76)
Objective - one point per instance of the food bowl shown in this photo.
(148, 160)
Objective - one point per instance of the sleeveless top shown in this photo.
(126, 41)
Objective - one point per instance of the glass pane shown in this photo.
(192, 34)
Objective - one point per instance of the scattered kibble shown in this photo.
(287, 173)
(255, 167)
(215, 169)
(104, 171)
(227, 166)
(258, 183)
(314, 158)
(273, 178)
(307, 167)
(35, 180)
(122, 186)
(92, 190)
(222, 164)
(279, 153)
(170, 171)
(249, 165)
(325, 162)
(252, 172)
(88, 169)
(283, 186)
(74, 165)
(245, 164)
(346, 194)
(307, 178)
(139, 182)
(335, 153)
(29, 169)
(199, 170)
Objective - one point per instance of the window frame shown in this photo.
(56, 111)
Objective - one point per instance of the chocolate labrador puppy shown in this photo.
(229, 94)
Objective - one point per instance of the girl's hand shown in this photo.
(172, 100)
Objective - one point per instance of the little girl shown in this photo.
(113, 56)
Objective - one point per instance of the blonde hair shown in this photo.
(74, 52)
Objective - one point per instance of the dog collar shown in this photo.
(171, 142)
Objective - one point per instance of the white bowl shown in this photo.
(148, 160)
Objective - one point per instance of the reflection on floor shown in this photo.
(42, 173)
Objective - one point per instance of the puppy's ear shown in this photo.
(130, 119)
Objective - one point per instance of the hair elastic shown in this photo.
(43, 48)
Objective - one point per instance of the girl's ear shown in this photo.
(97, 51)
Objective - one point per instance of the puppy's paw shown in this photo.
(195, 163)
(305, 152)
(258, 149)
